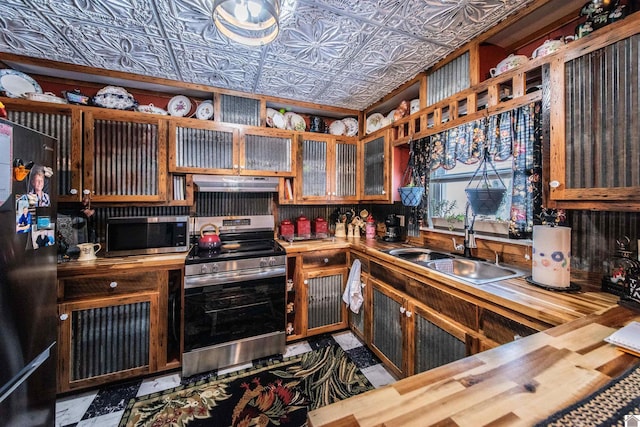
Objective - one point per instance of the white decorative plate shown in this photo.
(270, 113)
(351, 125)
(205, 110)
(337, 127)
(295, 122)
(390, 116)
(414, 106)
(15, 84)
(278, 120)
(179, 106)
(374, 122)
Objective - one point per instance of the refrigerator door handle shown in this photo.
(25, 373)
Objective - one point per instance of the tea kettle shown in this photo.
(209, 240)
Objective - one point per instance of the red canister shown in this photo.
(320, 226)
(286, 228)
(303, 227)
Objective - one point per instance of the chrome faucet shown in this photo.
(469, 235)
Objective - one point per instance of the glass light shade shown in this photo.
(250, 22)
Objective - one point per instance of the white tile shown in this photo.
(347, 340)
(297, 348)
(69, 410)
(154, 385)
(109, 420)
(378, 375)
(234, 368)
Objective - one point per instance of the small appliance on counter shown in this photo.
(393, 231)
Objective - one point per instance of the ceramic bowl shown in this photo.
(509, 63)
(549, 47)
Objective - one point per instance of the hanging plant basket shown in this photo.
(485, 201)
(484, 198)
(411, 196)
(411, 190)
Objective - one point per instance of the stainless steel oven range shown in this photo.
(235, 294)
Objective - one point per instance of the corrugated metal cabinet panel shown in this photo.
(125, 156)
(595, 125)
(375, 164)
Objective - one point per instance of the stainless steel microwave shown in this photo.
(146, 235)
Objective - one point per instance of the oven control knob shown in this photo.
(263, 262)
(272, 261)
(203, 269)
(215, 268)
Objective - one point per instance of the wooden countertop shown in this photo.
(516, 384)
(172, 261)
(546, 307)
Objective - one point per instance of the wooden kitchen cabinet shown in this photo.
(595, 126)
(375, 164)
(319, 282)
(358, 323)
(327, 169)
(197, 146)
(125, 156)
(388, 326)
(63, 122)
(114, 326)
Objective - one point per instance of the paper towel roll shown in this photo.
(551, 256)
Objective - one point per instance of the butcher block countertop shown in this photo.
(548, 308)
(172, 261)
(516, 384)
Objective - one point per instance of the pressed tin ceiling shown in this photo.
(342, 53)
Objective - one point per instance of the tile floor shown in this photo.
(104, 407)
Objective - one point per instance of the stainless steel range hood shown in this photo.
(230, 183)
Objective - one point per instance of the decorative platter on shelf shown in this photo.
(374, 122)
(151, 109)
(16, 84)
(179, 106)
(275, 119)
(205, 110)
(337, 127)
(294, 121)
(351, 125)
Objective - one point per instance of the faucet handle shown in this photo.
(457, 247)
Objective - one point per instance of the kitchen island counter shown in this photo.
(516, 384)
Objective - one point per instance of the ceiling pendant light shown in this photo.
(250, 22)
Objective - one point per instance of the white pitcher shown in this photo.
(88, 251)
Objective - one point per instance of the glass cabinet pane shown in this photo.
(314, 168)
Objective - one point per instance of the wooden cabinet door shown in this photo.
(313, 183)
(434, 341)
(107, 339)
(325, 310)
(375, 161)
(267, 152)
(344, 171)
(125, 156)
(197, 146)
(388, 320)
(595, 126)
(63, 122)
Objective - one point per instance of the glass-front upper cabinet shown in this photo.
(327, 169)
(376, 165)
(595, 125)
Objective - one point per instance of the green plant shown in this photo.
(445, 209)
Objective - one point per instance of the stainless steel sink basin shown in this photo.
(477, 272)
(418, 255)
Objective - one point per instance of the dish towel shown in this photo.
(353, 291)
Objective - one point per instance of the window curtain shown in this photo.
(514, 133)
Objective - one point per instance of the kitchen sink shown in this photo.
(418, 255)
(477, 272)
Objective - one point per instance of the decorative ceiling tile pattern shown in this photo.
(343, 53)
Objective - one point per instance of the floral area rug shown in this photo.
(272, 394)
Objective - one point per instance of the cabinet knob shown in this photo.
(363, 284)
(113, 285)
(64, 316)
(408, 313)
(326, 260)
(554, 184)
(306, 282)
(86, 191)
(402, 309)
(384, 192)
(73, 191)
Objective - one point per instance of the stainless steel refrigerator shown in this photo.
(28, 259)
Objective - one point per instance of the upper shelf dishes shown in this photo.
(179, 106)
(205, 110)
(16, 84)
(114, 97)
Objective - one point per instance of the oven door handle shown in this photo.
(234, 277)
